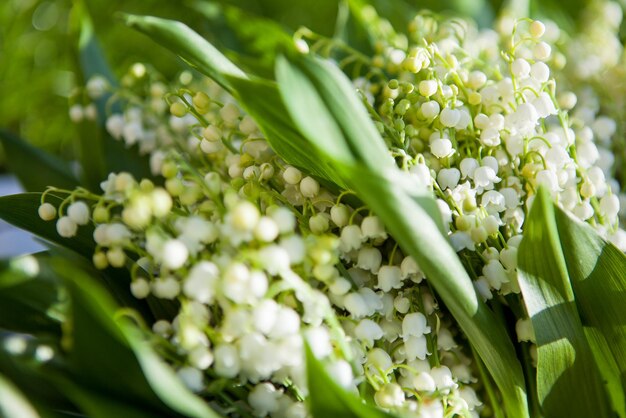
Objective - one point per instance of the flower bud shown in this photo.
(245, 216)
(537, 29)
(292, 175)
(116, 257)
(76, 113)
(66, 227)
(201, 101)
(175, 254)
(428, 87)
(47, 212)
(140, 288)
(309, 187)
(100, 260)
(178, 109)
(389, 396)
(424, 382)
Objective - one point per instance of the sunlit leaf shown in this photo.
(564, 356)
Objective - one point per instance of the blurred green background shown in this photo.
(38, 38)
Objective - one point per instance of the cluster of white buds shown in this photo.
(261, 257)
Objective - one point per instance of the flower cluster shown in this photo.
(262, 259)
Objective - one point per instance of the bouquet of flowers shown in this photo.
(425, 228)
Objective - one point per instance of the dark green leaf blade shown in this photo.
(20, 210)
(29, 297)
(124, 356)
(609, 369)
(564, 356)
(22, 157)
(187, 44)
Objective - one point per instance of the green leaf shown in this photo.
(331, 101)
(20, 210)
(21, 157)
(259, 97)
(412, 218)
(597, 271)
(29, 297)
(262, 101)
(564, 356)
(28, 376)
(328, 399)
(260, 39)
(338, 94)
(610, 370)
(191, 47)
(309, 111)
(123, 356)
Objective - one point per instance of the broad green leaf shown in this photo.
(34, 168)
(20, 210)
(257, 42)
(412, 218)
(321, 105)
(29, 297)
(328, 399)
(597, 271)
(96, 404)
(262, 100)
(310, 113)
(610, 370)
(100, 152)
(338, 93)
(564, 356)
(191, 47)
(259, 97)
(123, 356)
